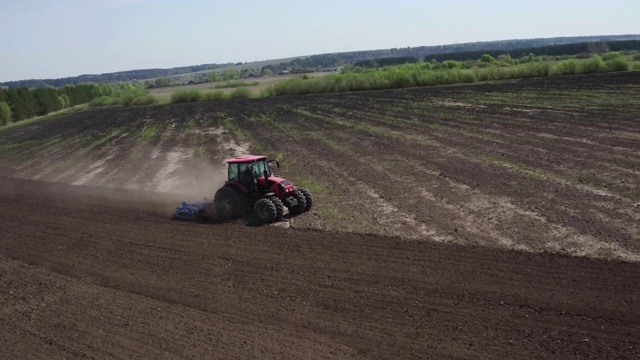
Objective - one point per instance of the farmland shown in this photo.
(496, 220)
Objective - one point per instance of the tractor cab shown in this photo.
(254, 174)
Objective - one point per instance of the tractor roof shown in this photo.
(245, 159)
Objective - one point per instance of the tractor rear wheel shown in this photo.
(201, 215)
(229, 202)
(266, 210)
(308, 198)
(302, 203)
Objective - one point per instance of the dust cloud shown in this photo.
(193, 181)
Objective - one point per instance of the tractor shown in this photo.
(253, 185)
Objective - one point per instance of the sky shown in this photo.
(44, 39)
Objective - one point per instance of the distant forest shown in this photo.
(463, 51)
(585, 49)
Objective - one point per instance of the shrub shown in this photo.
(217, 95)
(567, 67)
(467, 64)
(240, 93)
(5, 113)
(610, 56)
(144, 100)
(526, 59)
(127, 98)
(67, 102)
(617, 64)
(505, 59)
(529, 70)
(450, 64)
(486, 58)
(636, 66)
(187, 96)
(468, 77)
(593, 65)
(101, 101)
(492, 73)
(61, 103)
(540, 69)
(482, 65)
(636, 57)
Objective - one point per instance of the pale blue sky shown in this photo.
(60, 38)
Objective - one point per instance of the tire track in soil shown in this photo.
(572, 238)
(403, 223)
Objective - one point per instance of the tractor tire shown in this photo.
(302, 203)
(308, 198)
(266, 211)
(229, 203)
(279, 208)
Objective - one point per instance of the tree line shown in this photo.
(331, 60)
(17, 104)
(115, 77)
(448, 72)
(585, 48)
(523, 55)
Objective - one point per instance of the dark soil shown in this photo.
(91, 273)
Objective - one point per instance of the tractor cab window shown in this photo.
(233, 172)
(259, 167)
(247, 177)
(245, 170)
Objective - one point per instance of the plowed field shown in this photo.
(495, 221)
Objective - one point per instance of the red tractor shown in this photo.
(253, 185)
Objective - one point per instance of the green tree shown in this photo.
(213, 76)
(162, 82)
(79, 94)
(610, 56)
(23, 104)
(67, 102)
(267, 72)
(486, 58)
(450, 64)
(527, 59)
(505, 59)
(47, 99)
(5, 113)
(230, 74)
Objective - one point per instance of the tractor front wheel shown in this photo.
(279, 208)
(307, 198)
(301, 205)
